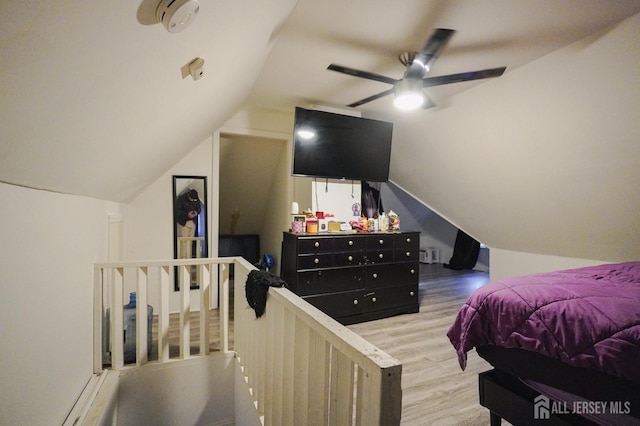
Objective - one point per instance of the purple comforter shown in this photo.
(587, 317)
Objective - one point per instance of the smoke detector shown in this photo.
(176, 15)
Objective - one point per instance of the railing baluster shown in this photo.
(98, 323)
(319, 376)
(341, 394)
(205, 293)
(215, 284)
(273, 368)
(260, 333)
(224, 307)
(142, 355)
(185, 311)
(288, 364)
(301, 373)
(116, 320)
(360, 401)
(163, 313)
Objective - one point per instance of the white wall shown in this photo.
(544, 159)
(50, 242)
(148, 220)
(506, 264)
(334, 197)
(276, 219)
(149, 217)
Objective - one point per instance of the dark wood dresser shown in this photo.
(354, 277)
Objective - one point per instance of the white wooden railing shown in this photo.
(110, 280)
(304, 368)
(300, 366)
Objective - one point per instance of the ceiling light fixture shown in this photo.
(408, 94)
(176, 15)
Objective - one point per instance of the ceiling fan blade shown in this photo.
(463, 76)
(431, 50)
(363, 74)
(371, 98)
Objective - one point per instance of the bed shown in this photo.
(564, 345)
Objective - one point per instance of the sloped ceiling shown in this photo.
(94, 99)
(369, 35)
(544, 160)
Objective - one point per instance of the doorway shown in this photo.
(254, 189)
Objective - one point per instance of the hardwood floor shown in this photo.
(435, 390)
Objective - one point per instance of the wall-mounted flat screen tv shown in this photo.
(337, 146)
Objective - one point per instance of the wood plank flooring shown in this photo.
(435, 390)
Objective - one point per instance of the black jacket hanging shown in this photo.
(256, 288)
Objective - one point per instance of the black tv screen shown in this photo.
(337, 146)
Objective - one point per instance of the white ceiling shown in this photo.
(369, 35)
(94, 100)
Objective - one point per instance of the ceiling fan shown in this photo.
(408, 90)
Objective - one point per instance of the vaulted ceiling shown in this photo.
(95, 97)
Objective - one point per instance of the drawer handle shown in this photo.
(411, 293)
(413, 271)
(355, 301)
(381, 255)
(316, 260)
(317, 244)
(374, 300)
(350, 258)
(375, 276)
(350, 242)
(408, 254)
(408, 239)
(381, 242)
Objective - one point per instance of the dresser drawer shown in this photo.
(393, 274)
(409, 241)
(350, 243)
(390, 297)
(315, 261)
(348, 259)
(406, 254)
(315, 245)
(379, 256)
(379, 242)
(330, 280)
(339, 304)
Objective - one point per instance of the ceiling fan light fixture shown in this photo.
(422, 64)
(408, 94)
(409, 90)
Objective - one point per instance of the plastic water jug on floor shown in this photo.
(130, 329)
